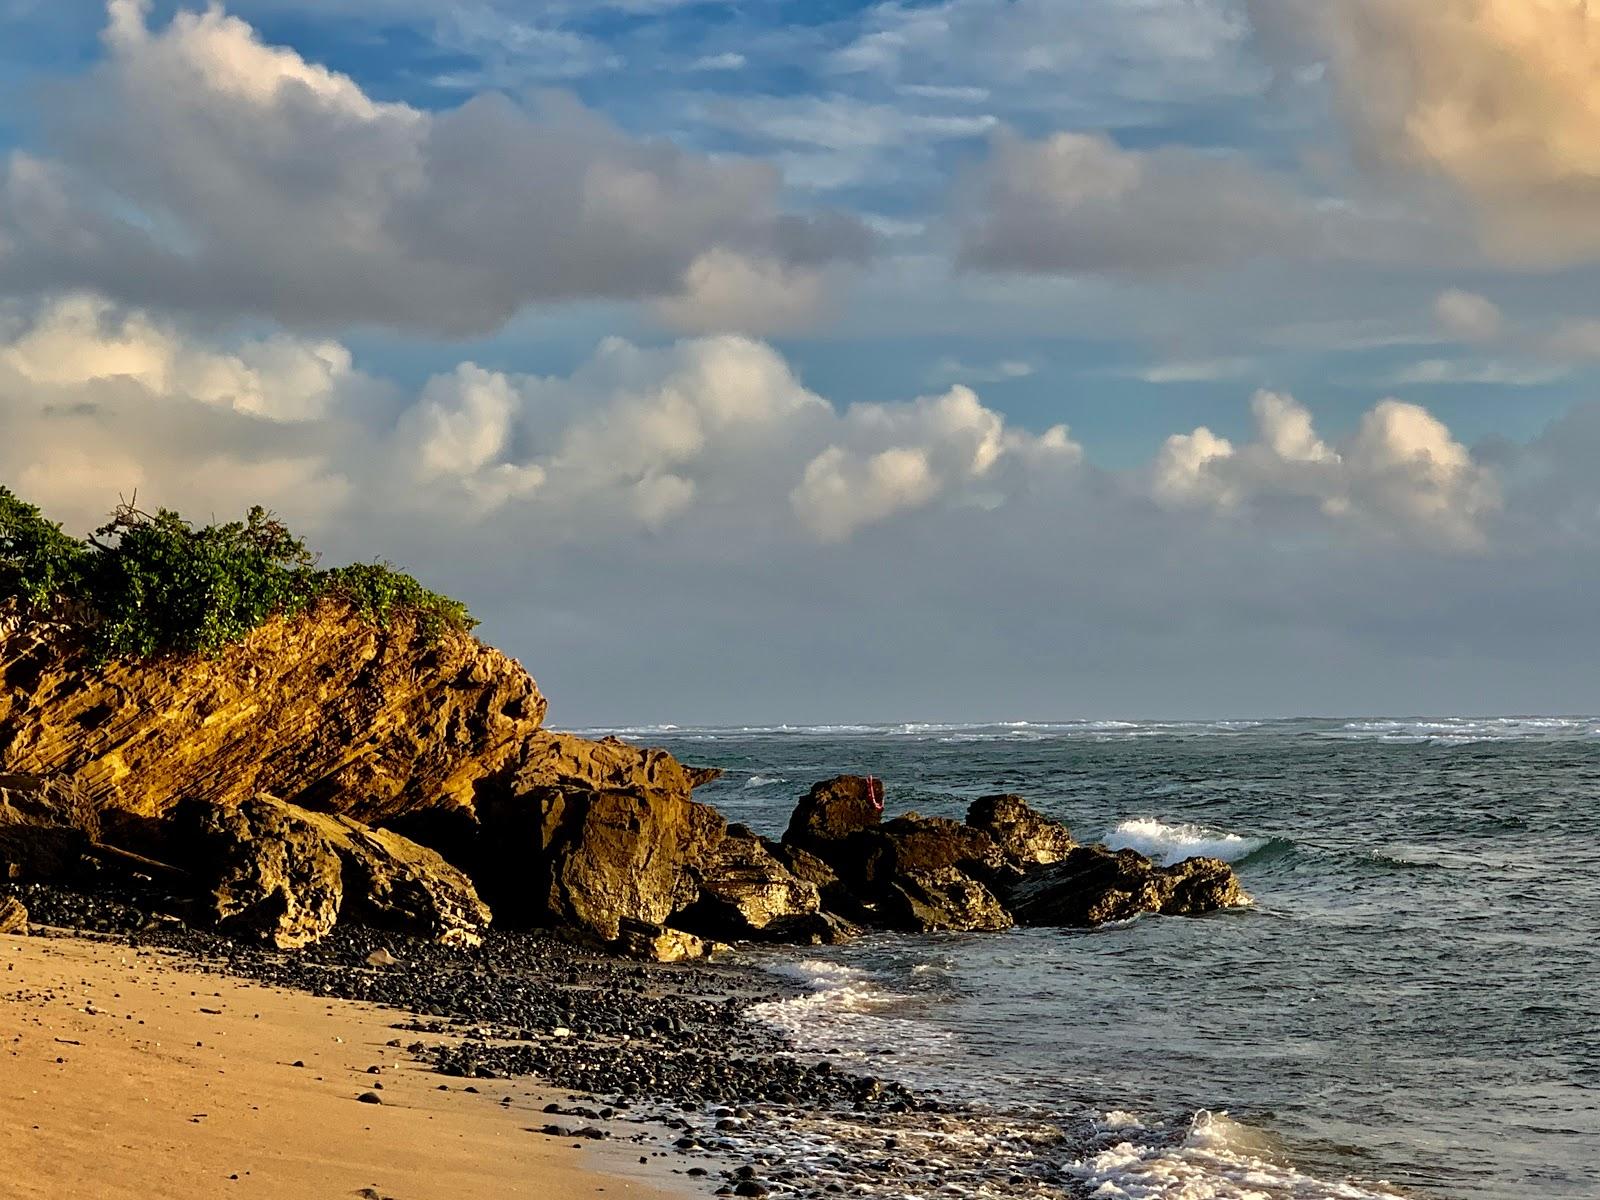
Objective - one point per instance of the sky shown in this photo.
(754, 361)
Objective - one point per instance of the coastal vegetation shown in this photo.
(154, 583)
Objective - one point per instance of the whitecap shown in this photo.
(761, 781)
(1168, 844)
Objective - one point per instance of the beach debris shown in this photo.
(382, 958)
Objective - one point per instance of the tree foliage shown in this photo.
(153, 583)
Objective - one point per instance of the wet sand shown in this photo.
(122, 1075)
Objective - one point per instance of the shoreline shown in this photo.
(131, 1074)
(598, 1050)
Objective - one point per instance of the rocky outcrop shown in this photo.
(330, 767)
(328, 709)
(1093, 885)
(13, 917)
(657, 943)
(277, 872)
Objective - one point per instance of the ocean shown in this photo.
(1411, 1007)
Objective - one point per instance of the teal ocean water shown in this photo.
(1411, 1007)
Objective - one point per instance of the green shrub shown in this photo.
(154, 584)
(37, 560)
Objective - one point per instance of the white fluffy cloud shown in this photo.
(709, 434)
(1402, 473)
(1497, 97)
(198, 167)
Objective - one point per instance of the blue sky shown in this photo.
(699, 299)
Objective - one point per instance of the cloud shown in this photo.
(1112, 62)
(1006, 370)
(1495, 97)
(714, 436)
(198, 167)
(893, 458)
(1468, 316)
(1476, 373)
(1078, 203)
(1402, 474)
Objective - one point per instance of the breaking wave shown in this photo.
(1168, 844)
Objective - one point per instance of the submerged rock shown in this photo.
(278, 872)
(1093, 885)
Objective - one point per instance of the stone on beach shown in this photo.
(13, 916)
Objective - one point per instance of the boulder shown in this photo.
(876, 858)
(46, 827)
(943, 898)
(1093, 885)
(833, 810)
(284, 874)
(266, 873)
(13, 917)
(1025, 836)
(586, 860)
(745, 892)
(657, 943)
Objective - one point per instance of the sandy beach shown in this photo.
(126, 1076)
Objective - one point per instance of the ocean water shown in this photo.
(1411, 1007)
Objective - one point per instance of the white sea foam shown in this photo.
(1168, 844)
(1218, 1159)
(844, 1011)
(761, 781)
(1463, 731)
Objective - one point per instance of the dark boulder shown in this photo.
(1024, 835)
(878, 857)
(835, 809)
(1093, 885)
(745, 892)
(943, 898)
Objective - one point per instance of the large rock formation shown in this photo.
(332, 768)
(276, 871)
(328, 709)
